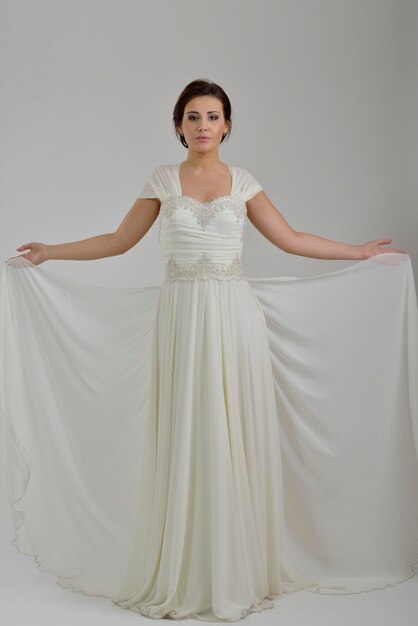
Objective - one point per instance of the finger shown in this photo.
(24, 247)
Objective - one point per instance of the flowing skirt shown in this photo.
(198, 448)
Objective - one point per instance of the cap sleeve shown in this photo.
(249, 185)
(149, 189)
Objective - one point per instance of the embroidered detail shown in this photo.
(204, 268)
(204, 211)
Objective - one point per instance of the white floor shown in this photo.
(29, 597)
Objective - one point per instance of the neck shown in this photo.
(202, 162)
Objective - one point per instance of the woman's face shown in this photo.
(203, 115)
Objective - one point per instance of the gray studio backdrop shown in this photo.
(324, 97)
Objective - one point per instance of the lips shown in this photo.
(202, 138)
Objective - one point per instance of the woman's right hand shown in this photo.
(38, 252)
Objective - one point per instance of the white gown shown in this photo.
(198, 448)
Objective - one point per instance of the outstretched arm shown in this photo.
(133, 227)
(268, 220)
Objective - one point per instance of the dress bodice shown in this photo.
(201, 239)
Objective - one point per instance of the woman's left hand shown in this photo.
(371, 248)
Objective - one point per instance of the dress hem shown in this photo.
(255, 607)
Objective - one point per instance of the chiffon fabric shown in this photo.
(200, 447)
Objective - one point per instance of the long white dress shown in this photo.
(198, 448)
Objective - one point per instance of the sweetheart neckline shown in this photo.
(182, 195)
(200, 202)
(206, 201)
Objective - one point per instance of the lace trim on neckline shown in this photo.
(217, 199)
(205, 211)
(205, 201)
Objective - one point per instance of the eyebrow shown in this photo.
(198, 112)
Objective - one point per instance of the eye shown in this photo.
(192, 117)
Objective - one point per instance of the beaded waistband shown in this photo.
(204, 268)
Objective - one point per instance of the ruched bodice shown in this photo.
(201, 239)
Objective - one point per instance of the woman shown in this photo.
(235, 451)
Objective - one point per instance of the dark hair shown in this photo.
(200, 87)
